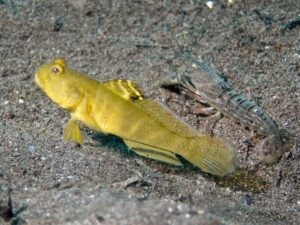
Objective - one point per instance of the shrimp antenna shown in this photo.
(178, 54)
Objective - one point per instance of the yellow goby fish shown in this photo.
(117, 107)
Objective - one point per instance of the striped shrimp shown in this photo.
(202, 82)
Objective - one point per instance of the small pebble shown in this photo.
(31, 148)
(248, 199)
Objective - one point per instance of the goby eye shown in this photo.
(57, 69)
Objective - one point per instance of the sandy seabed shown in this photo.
(100, 181)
